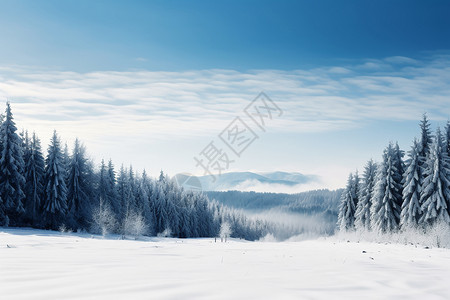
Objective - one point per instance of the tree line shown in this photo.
(66, 191)
(397, 194)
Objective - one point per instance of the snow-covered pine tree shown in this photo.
(347, 207)
(425, 138)
(102, 190)
(112, 189)
(66, 162)
(122, 184)
(4, 220)
(411, 210)
(34, 180)
(55, 190)
(171, 209)
(435, 196)
(356, 188)
(79, 206)
(143, 200)
(131, 191)
(399, 163)
(400, 167)
(12, 167)
(447, 137)
(106, 190)
(362, 219)
(386, 208)
(161, 207)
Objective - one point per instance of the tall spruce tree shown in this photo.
(425, 138)
(362, 220)
(102, 192)
(12, 168)
(122, 185)
(411, 210)
(131, 204)
(435, 196)
(78, 187)
(112, 188)
(34, 178)
(447, 137)
(55, 190)
(143, 199)
(386, 207)
(106, 188)
(4, 220)
(400, 167)
(347, 207)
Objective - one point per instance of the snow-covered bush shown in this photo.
(225, 231)
(437, 235)
(270, 238)
(166, 233)
(134, 225)
(104, 221)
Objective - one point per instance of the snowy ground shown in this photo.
(47, 265)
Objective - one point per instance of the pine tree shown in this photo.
(55, 203)
(131, 204)
(386, 207)
(447, 137)
(106, 188)
(143, 199)
(112, 189)
(400, 167)
(161, 207)
(435, 196)
(362, 221)
(411, 210)
(426, 138)
(34, 178)
(78, 187)
(349, 201)
(122, 191)
(66, 163)
(171, 209)
(12, 167)
(398, 162)
(4, 220)
(102, 190)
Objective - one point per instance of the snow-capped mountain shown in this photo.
(248, 181)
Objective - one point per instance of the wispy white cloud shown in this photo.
(111, 106)
(336, 94)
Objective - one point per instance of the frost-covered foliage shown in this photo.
(349, 201)
(447, 137)
(435, 196)
(225, 231)
(55, 190)
(436, 235)
(386, 202)
(104, 220)
(66, 190)
(12, 165)
(362, 214)
(134, 225)
(34, 179)
(425, 137)
(78, 187)
(411, 210)
(418, 201)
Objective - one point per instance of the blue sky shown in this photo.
(153, 82)
(241, 35)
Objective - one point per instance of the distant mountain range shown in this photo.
(245, 180)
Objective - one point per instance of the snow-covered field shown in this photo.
(49, 265)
